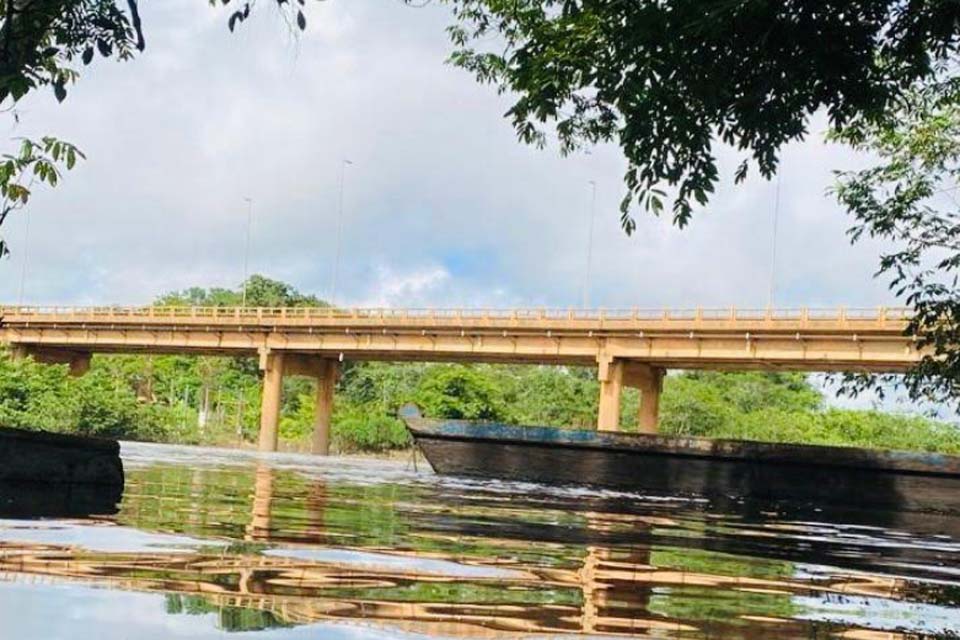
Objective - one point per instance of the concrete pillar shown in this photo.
(649, 380)
(77, 361)
(80, 364)
(610, 374)
(327, 375)
(271, 363)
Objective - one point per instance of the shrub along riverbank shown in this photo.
(206, 400)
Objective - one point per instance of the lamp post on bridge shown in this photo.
(336, 260)
(26, 257)
(593, 213)
(246, 251)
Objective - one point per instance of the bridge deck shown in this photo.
(805, 339)
(629, 347)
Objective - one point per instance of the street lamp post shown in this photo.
(246, 251)
(593, 212)
(773, 246)
(336, 260)
(26, 257)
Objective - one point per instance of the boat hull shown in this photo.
(692, 466)
(58, 459)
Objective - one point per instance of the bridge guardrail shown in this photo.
(812, 314)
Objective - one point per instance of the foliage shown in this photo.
(261, 292)
(666, 78)
(359, 430)
(41, 42)
(35, 161)
(210, 400)
(113, 400)
(231, 619)
(459, 392)
(907, 199)
(788, 409)
(552, 395)
(44, 397)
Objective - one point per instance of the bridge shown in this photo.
(629, 347)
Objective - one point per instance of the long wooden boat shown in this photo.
(58, 459)
(666, 465)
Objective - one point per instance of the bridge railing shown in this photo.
(244, 314)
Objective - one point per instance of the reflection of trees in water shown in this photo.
(574, 565)
(228, 618)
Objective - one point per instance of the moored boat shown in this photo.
(669, 465)
(58, 459)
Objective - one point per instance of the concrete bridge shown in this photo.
(629, 347)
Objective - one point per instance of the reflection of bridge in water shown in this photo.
(615, 590)
(608, 590)
(630, 348)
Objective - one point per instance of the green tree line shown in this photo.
(216, 400)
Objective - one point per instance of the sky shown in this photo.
(442, 206)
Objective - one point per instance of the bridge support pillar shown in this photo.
(610, 374)
(78, 361)
(325, 371)
(271, 363)
(326, 382)
(649, 380)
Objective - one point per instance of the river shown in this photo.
(209, 542)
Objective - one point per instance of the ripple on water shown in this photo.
(286, 546)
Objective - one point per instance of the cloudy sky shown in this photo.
(442, 205)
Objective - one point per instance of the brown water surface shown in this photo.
(209, 542)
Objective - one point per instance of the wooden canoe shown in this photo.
(58, 459)
(665, 465)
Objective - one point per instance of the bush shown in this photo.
(365, 432)
(461, 393)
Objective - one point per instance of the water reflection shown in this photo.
(237, 543)
(37, 500)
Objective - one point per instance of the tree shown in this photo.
(261, 292)
(40, 40)
(909, 200)
(40, 44)
(666, 79)
(36, 161)
(459, 392)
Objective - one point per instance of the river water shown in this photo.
(209, 542)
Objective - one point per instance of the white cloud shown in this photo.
(392, 289)
(443, 206)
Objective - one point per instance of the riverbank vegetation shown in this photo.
(215, 400)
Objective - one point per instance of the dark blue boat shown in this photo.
(666, 465)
